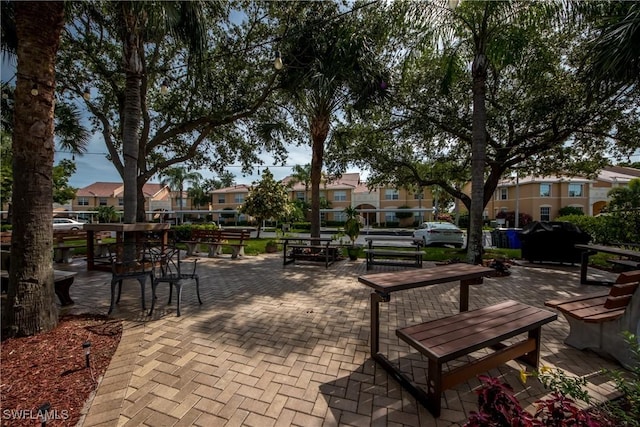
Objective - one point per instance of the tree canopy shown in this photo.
(267, 198)
(542, 114)
(203, 119)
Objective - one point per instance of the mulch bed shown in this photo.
(51, 368)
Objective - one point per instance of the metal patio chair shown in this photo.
(168, 267)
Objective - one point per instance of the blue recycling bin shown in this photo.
(514, 238)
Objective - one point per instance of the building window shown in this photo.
(340, 196)
(545, 213)
(103, 201)
(391, 194)
(239, 198)
(575, 190)
(504, 193)
(418, 196)
(221, 198)
(390, 217)
(340, 216)
(83, 201)
(545, 190)
(120, 201)
(300, 195)
(323, 194)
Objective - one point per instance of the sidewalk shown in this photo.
(274, 346)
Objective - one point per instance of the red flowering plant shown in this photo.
(499, 407)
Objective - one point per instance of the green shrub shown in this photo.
(570, 210)
(602, 229)
(404, 214)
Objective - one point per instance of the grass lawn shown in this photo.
(257, 246)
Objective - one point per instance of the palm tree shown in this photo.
(37, 29)
(301, 175)
(471, 32)
(175, 178)
(616, 51)
(333, 66)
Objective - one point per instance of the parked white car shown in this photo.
(66, 224)
(438, 234)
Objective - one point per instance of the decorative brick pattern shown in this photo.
(282, 347)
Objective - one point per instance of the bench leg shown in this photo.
(192, 248)
(532, 358)
(434, 387)
(114, 282)
(62, 290)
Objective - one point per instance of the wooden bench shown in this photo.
(216, 239)
(449, 338)
(63, 248)
(393, 250)
(62, 280)
(597, 320)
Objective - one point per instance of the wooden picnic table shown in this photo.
(384, 284)
(308, 249)
(588, 250)
(393, 250)
(139, 230)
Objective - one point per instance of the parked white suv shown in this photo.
(66, 224)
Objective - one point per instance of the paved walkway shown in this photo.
(275, 346)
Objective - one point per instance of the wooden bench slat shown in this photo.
(582, 304)
(556, 302)
(617, 302)
(604, 316)
(623, 289)
(628, 277)
(585, 312)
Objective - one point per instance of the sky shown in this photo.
(94, 166)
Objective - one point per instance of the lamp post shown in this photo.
(87, 351)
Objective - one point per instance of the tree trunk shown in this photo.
(141, 215)
(478, 159)
(319, 132)
(31, 298)
(132, 49)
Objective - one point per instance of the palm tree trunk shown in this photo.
(319, 132)
(478, 159)
(32, 307)
(141, 215)
(131, 124)
(132, 50)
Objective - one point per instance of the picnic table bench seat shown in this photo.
(445, 339)
(62, 280)
(215, 240)
(393, 250)
(597, 320)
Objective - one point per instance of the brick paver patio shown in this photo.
(275, 346)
